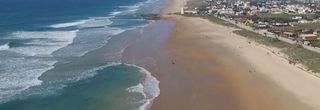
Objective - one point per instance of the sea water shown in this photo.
(66, 55)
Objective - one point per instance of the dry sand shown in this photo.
(259, 81)
(215, 69)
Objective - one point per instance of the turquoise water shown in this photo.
(66, 55)
(108, 90)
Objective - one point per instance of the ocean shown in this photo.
(66, 55)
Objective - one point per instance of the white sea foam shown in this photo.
(43, 43)
(88, 40)
(116, 31)
(138, 89)
(149, 88)
(135, 6)
(124, 12)
(96, 22)
(131, 9)
(91, 22)
(115, 13)
(70, 24)
(19, 74)
(91, 73)
(4, 47)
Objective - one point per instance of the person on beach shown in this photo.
(172, 62)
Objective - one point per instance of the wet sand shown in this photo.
(204, 66)
(182, 88)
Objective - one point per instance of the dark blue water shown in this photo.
(51, 55)
(32, 14)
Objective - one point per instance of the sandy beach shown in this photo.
(204, 66)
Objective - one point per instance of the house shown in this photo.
(289, 35)
(308, 39)
(227, 11)
(297, 18)
(278, 24)
(188, 11)
(261, 25)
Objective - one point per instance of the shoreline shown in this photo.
(201, 78)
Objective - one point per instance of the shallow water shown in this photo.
(106, 90)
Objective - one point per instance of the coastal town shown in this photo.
(291, 21)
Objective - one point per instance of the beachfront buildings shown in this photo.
(293, 19)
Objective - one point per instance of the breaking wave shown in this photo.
(70, 24)
(149, 88)
(42, 43)
(91, 22)
(5, 46)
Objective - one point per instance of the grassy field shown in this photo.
(276, 17)
(262, 39)
(282, 15)
(219, 21)
(318, 43)
(215, 20)
(309, 58)
(307, 26)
